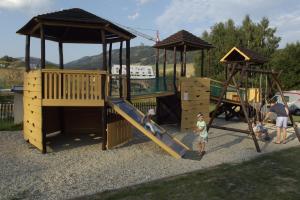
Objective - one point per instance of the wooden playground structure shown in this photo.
(84, 101)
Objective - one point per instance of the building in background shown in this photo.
(136, 71)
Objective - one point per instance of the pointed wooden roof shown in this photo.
(74, 26)
(182, 38)
(241, 54)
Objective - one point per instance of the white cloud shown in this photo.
(200, 15)
(134, 16)
(26, 5)
(142, 2)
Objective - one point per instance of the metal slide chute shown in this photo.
(170, 144)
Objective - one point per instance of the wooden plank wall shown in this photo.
(195, 98)
(32, 101)
(118, 132)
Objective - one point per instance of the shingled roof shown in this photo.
(75, 26)
(242, 54)
(182, 38)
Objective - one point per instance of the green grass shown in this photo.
(274, 176)
(296, 118)
(10, 126)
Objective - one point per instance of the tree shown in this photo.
(256, 36)
(287, 61)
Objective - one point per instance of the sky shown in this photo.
(147, 16)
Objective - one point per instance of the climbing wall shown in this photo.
(195, 98)
(32, 102)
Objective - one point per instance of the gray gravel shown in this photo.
(82, 170)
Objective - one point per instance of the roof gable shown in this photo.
(181, 38)
(241, 54)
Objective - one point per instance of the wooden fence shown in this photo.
(7, 111)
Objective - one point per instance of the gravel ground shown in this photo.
(72, 171)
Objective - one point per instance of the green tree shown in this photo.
(256, 36)
(287, 61)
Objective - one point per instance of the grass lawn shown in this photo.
(296, 118)
(10, 126)
(270, 177)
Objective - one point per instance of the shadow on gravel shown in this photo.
(61, 142)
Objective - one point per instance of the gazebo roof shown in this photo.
(74, 26)
(241, 54)
(182, 38)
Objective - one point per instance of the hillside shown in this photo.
(144, 55)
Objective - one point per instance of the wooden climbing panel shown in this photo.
(32, 101)
(195, 98)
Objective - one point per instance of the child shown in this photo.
(146, 121)
(203, 134)
(260, 131)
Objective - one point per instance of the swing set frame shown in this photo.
(244, 67)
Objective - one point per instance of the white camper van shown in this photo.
(293, 100)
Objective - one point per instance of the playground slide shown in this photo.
(170, 144)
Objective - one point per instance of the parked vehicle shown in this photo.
(293, 100)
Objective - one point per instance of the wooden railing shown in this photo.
(73, 87)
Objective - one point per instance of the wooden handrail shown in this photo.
(74, 71)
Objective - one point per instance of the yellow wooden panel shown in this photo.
(253, 95)
(118, 132)
(71, 102)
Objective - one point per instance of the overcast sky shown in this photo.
(167, 16)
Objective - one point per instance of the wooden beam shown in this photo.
(156, 63)
(27, 53)
(223, 92)
(202, 63)
(109, 58)
(43, 51)
(174, 69)
(181, 63)
(184, 60)
(103, 89)
(61, 55)
(88, 26)
(128, 69)
(246, 115)
(230, 129)
(120, 70)
(165, 63)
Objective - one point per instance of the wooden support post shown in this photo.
(202, 63)
(157, 70)
(226, 84)
(286, 105)
(184, 60)
(164, 69)
(208, 63)
(104, 109)
(61, 57)
(43, 63)
(120, 70)
(61, 66)
(174, 70)
(181, 63)
(128, 69)
(43, 51)
(246, 115)
(27, 53)
(109, 68)
(156, 63)
(165, 63)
